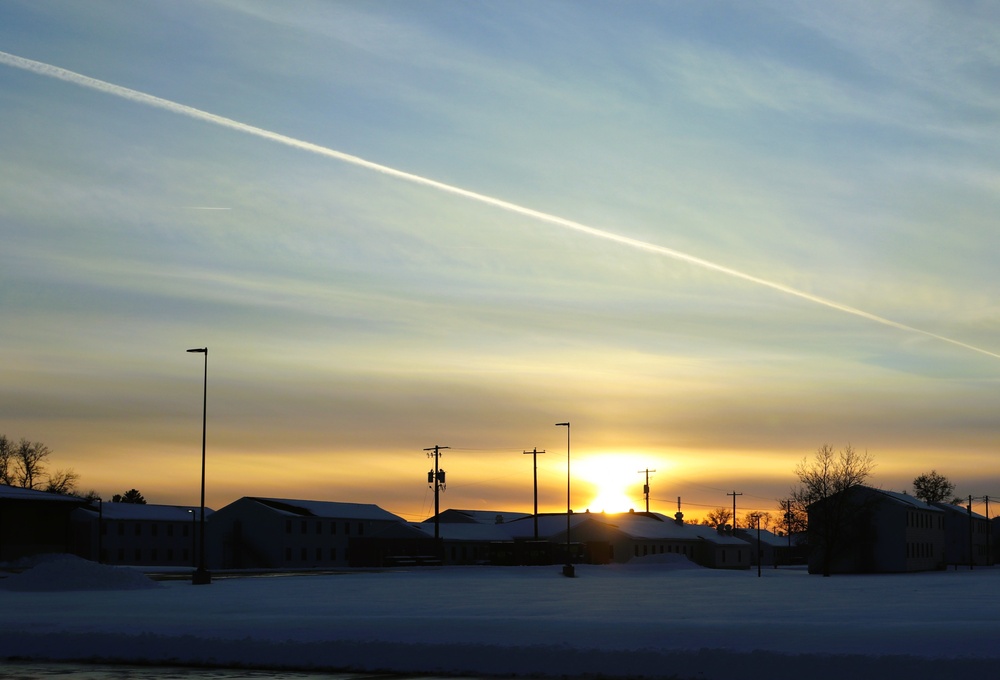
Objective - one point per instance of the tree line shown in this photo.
(827, 474)
(26, 464)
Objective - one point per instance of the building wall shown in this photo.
(249, 534)
(29, 527)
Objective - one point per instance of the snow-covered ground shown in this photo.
(661, 619)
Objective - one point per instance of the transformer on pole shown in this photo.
(435, 480)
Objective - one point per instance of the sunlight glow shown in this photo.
(612, 482)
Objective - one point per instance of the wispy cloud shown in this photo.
(51, 71)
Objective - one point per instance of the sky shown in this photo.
(711, 236)
(611, 621)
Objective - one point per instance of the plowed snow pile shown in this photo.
(67, 572)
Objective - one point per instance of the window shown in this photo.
(319, 554)
(153, 555)
(138, 555)
(121, 528)
(333, 528)
(361, 529)
(138, 529)
(303, 555)
(319, 527)
(288, 526)
(170, 554)
(184, 532)
(347, 528)
(304, 526)
(288, 554)
(154, 529)
(170, 530)
(121, 554)
(333, 553)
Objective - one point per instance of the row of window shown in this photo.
(304, 555)
(151, 556)
(651, 549)
(924, 520)
(319, 524)
(153, 528)
(919, 550)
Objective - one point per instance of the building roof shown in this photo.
(906, 499)
(143, 512)
(467, 531)
(766, 537)
(326, 509)
(960, 509)
(634, 525)
(478, 516)
(21, 494)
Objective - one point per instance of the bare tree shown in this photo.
(29, 463)
(62, 481)
(933, 487)
(6, 460)
(751, 517)
(794, 517)
(719, 517)
(826, 481)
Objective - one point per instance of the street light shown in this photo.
(201, 575)
(568, 567)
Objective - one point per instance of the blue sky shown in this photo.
(846, 152)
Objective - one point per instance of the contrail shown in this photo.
(43, 69)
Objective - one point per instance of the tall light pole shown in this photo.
(568, 567)
(201, 575)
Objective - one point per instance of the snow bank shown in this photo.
(45, 573)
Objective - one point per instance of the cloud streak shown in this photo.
(136, 96)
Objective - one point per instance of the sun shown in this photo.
(610, 482)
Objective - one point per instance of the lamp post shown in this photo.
(568, 567)
(201, 575)
(100, 531)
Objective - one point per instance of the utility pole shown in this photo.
(972, 557)
(568, 569)
(534, 459)
(759, 552)
(989, 534)
(734, 495)
(788, 523)
(645, 487)
(435, 479)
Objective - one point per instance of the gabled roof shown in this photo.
(958, 509)
(905, 499)
(326, 509)
(142, 512)
(467, 531)
(766, 537)
(20, 494)
(478, 516)
(634, 525)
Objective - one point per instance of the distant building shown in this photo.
(277, 533)
(34, 522)
(775, 550)
(139, 534)
(602, 538)
(967, 536)
(879, 532)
